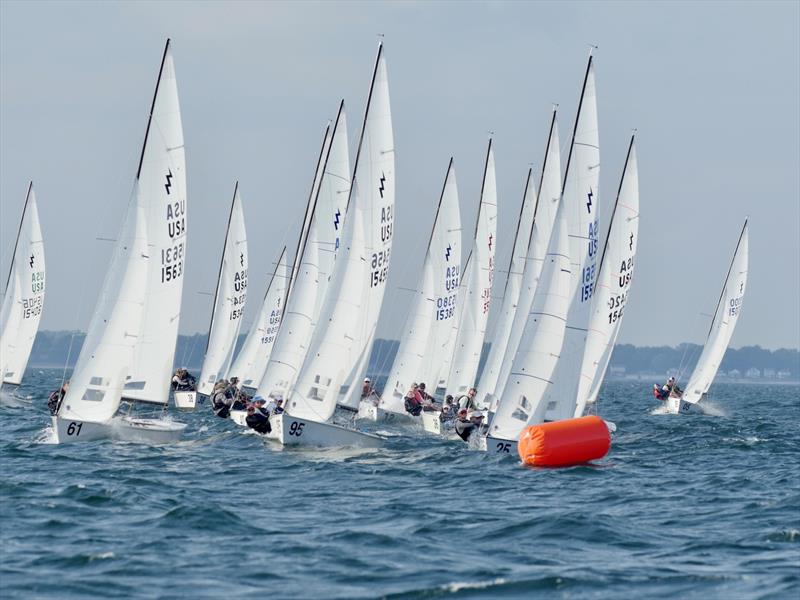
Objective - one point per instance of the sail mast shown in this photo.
(19, 232)
(727, 276)
(152, 108)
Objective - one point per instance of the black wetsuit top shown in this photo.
(258, 422)
(464, 429)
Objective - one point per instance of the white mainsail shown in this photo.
(230, 298)
(613, 284)
(24, 295)
(314, 259)
(547, 204)
(428, 324)
(539, 349)
(161, 181)
(724, 322)
(440, 363)
(580, 198)
(252, 359)
(108, 350)
(315, 394)
(477, 298)
(516, 267)
(374, 172)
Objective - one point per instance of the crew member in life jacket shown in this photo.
(660, 394)
(257, 421)
(674, 390)
(428, 401)
(413, 401)
(56, 398)
(221, 401)
(183, 381)
(468, 400)
(468, 422)
(448, 409)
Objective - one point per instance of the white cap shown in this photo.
(476, 414)
(366, 379)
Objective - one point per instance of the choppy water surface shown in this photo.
(683, 507)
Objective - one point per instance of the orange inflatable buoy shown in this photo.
(564, 443)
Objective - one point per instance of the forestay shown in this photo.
(230, 298)
(538, 354)
(547, 204)
(478, 294)
(314, 259)
(580, 199)
(252, 359)
(374, 174)
(613, 284)
(722, 325)
(97, 381)
(24, 295)
(519, 254)
(161, 180)
(428, 324)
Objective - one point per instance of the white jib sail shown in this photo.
(229, 301)
(162, 186)
(440, 364)
(475, 314)
(24, 295)
(252, 359)
(580, 198)
(724, 322)
(548, 200)
(316, 252)
(427, 327)
(374, 172)
(316, 392)
(96, 385)
(538, 354)
(613, 284)
(519, 255)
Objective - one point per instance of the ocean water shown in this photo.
(702, 506)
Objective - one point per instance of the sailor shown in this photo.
(56, 397)
(259, 402)
(278, 406)
(239, 397)
(257, 421)
(220, 401)
(183, 381)
(366, 389)
(468, 422)
(468, 400)
(448, 409)
(413, 401)
(673, 387)
(659, 393)
(428, 401)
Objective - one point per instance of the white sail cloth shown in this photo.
(548, 200)
(161, 180)
(314, 260)
(24, 295)
(477, 299)
(613, 284)
(538, 354)
(375, 177)
(427, 327)
(580, 197)
(230, 299)
(252, 359)
(724, 322)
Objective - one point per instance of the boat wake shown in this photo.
(709, 408)
(46, 436)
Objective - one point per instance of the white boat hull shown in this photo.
(431, 422)
(293, 431)
(239, 417)
(185, 400)
(676, 406)
(123, 428)
(369, 412)
(497, 445)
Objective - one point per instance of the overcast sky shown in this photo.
(712, 87)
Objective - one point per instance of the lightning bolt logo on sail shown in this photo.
(169, 181)
(382, 186)
(447, 252)
(589, 201)
(336, 219)
(31, 262)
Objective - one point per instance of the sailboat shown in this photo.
(726, 315)
(541, 365)
(478, 294)
(252, 359)
(427, 327)
(613, 287)
(342, 339)
(317, 248)
(130, 343)
(24, 296)
(547, 201)
(230, 297)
